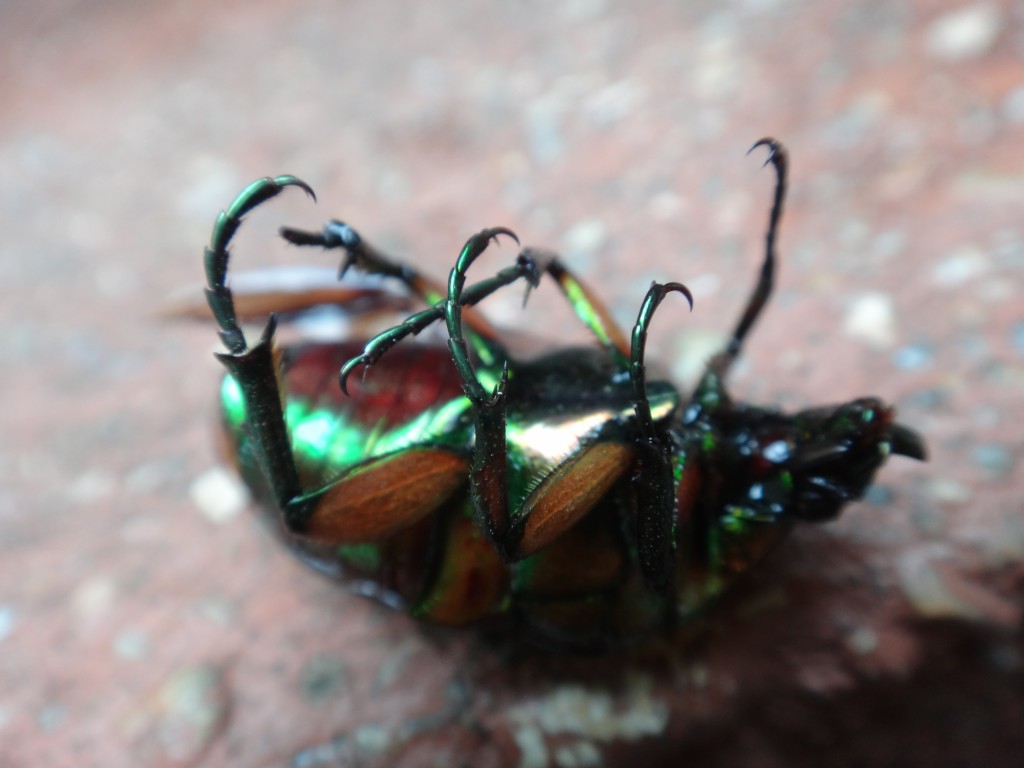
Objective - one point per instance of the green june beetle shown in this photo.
(566, 493)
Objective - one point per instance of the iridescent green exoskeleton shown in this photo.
(567, 493)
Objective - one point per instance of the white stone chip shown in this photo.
(219, 495)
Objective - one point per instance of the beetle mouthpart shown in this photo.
(906, 442)
(814, 458)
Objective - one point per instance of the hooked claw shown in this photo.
(776, 153)
(769, 142)
(346, 371)
(216, 256)
(335, 234)
(475, 246)
(531, 272)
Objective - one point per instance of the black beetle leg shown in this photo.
(489, 472)
(362, 255)
(216, 257)
(488, 475)
(375, 349)
(765, 282)
(653, 483)
(254, 368)
(369, 259)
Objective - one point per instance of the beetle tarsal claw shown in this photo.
(493, 234)
(346, 371)
(769, 142)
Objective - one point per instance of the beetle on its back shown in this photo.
(590, 506)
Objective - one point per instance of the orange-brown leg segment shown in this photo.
(587, 306)
(289, 290)
(380, 497)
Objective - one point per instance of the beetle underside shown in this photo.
(569, 493)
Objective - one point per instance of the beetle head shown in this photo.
(831, 454)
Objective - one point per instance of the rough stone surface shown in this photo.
(142, 626)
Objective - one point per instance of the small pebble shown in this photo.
(965, 33)
(581, 754)
(946, 491)
(533, 752)
(323, 678)
(219, 495)
(131, 645)
(52, 717)
(879, 495)
(937, 590)
(913, 357)
(93, 598)
(928, 519)
(372, 739)
(6, 622)
(962, 266)
(584, 238)
(924, 589)
(871, 318)
(927, 399)
(189, 712)
(994, 458)
(986, 417)
(91, 486)
(220, 611)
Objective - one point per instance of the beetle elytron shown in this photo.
(568, 493)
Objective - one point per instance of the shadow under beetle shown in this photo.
(568, 493)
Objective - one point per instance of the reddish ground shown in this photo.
(144, 623)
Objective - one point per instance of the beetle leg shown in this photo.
(489, 472)
(587, 306)
(216, 256)
(566, 494)
(364, 256)
(779, 158)
(288, 291)
(653, 482)
(375, 349)
(255, 367)
(369, 259)
(371, 499)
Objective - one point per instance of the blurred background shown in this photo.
(146, 621)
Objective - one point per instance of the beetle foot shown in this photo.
(216, 256)
(373, 352)
(773, 147)
(335, 234)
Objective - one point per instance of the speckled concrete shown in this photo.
(146, 621)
